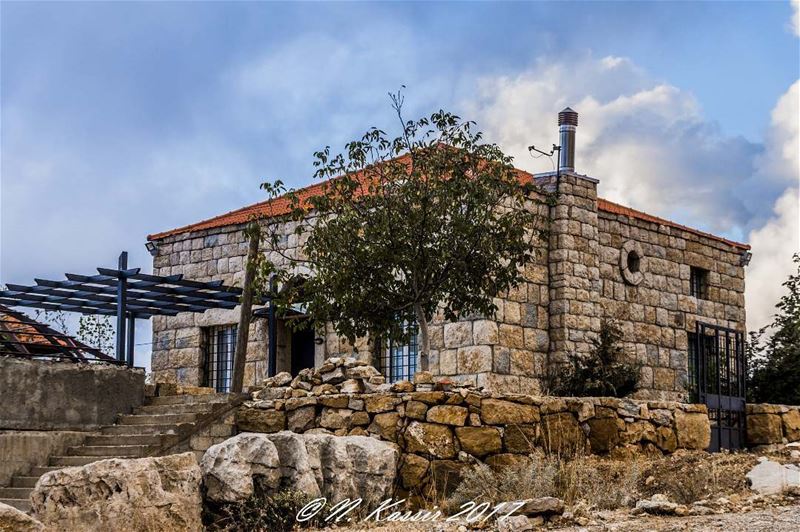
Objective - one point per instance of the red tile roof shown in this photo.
(281, 205)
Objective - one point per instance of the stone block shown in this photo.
(562, 435)
(457, 334)
(429, 439)
(501, 412)
(385, 425)
(474, 359)
(603, 434)
(484, 332)
(693, 430)
(763, 429)
(791, 424)
(413, 470)
(258, 420)
(447, 415)
(479, 441)
(522, 439)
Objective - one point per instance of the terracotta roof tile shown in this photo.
(281, 205)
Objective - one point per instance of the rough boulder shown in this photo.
(12, 520)
(334, 467)
(142, 494)
(229, 468)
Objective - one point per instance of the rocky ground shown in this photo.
(774, 519)
(685, 491)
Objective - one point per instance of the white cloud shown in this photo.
(773, 246)
(647, 141)
(779, 238)
(651, 147)
(796, 17)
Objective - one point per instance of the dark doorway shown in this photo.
(302, 349)
(717, 356)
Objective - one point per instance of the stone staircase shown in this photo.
(162, 426)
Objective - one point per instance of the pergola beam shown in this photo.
(128, 294)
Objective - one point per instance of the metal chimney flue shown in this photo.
(567, 124)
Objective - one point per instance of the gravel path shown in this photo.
(778, 519)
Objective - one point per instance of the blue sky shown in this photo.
(123, 119)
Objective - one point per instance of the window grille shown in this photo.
(398, 360)
(698, 283)
(220, 345)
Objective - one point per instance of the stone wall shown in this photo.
(20, 450)
(52, 395)
(578, 276)
(772, 424)
(442, 428)
(655, 309)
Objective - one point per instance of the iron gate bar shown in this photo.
(726, 404)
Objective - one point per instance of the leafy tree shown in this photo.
(604, 372)
(96, 331)
(774, 360)
(432, 220)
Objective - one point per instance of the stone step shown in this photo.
(23, 505)
(188, 399)
(162, 429)
(199, 408)
(15, 493)
(66, 461)
(156, 419)
(38, 471)
(20, 481)
(109, 451)
(130, 439)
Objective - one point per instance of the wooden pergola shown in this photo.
(127, 294)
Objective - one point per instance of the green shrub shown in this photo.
(602, 372)
(262, 513)
(774, 351)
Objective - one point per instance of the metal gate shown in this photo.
(717, 355)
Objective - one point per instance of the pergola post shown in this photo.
(122, 303)
(131, 337)
(272, 330)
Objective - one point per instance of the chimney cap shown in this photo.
(568, 117)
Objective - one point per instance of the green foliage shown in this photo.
(604, 372)
(774, 351)
(56, 319)
(432, 220)
(263, 513)
(96, 331)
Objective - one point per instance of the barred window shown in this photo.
(698, 282)
(398, 360)
(693, 368)
(220, 345)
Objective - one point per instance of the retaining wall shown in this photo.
(772, 424)
(52, 395)
(440, 428)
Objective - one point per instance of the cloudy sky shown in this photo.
(119, 120)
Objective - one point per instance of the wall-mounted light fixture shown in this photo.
(319, 340)
(744, 258)
(152, 247)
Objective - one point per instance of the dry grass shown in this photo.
(602, 484)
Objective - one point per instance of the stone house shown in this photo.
(660, 279)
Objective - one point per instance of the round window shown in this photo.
(632, 262)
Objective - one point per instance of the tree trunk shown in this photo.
(425, 339)
(243, 331)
